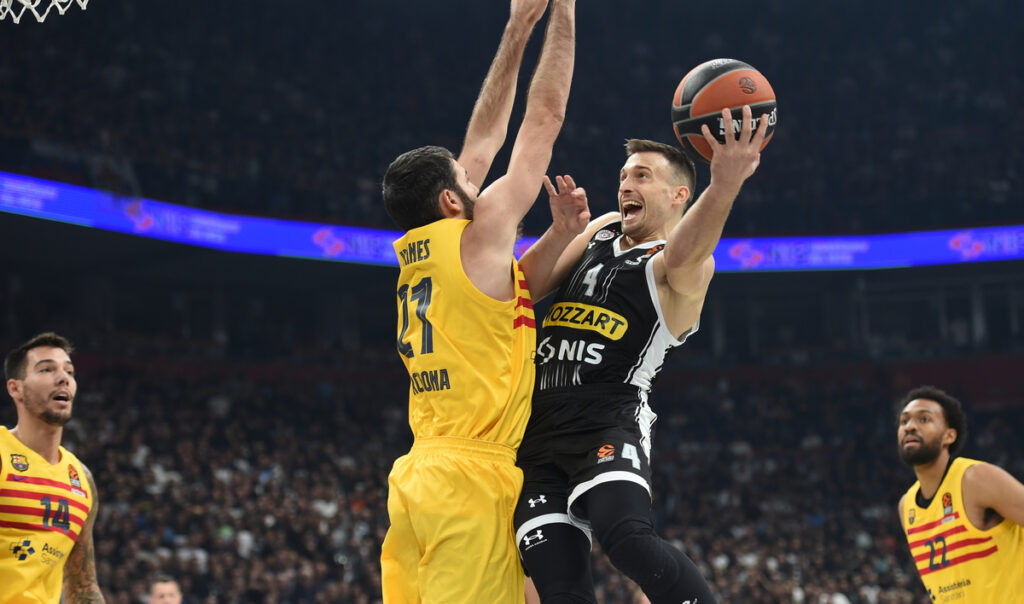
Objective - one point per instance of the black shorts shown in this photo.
(577, 443)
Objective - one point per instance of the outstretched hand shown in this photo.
(737, 159)
(569, 210)
(529, 11)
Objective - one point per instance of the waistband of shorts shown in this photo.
(464, 446)
(586, 393)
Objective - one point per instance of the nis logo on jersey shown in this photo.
(584, 316)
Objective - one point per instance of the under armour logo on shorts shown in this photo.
(539, 499)
(538, 536)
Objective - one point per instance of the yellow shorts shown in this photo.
(451, 501)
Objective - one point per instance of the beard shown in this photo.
(55, 418)
(467, 203)
(40, 409)
(925, 453)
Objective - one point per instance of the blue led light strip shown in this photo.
(89, 208)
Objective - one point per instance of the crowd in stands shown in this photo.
(888, 120)
(252, 467)
(263, 478)
(250, 488)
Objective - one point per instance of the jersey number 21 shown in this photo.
(420, 295)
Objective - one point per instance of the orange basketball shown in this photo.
(711, 87)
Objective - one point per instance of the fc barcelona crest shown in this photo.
(911, 516)
(19, 462)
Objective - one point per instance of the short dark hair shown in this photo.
(162, 578)
(14, 362)
(683, 170)
(413, 183)
(951, 408)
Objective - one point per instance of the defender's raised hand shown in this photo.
(570, 212)
(529, 11)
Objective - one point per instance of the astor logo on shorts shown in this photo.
(610, 324)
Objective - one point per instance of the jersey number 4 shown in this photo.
(590, 280)
(420, 294)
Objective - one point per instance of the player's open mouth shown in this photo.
(631, 209)
(64, 397)
(911, 440)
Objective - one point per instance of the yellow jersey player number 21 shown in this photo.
(466, 332)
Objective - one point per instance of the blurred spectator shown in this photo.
(889, 120)
(164, 589)
(781, 484)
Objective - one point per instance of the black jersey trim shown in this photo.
(923, 502)
(642, 357)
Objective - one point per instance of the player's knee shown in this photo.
(620, 530)
(634, 549)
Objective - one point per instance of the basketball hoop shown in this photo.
(17, 8)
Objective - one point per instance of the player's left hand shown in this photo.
(736, 160)
(570, 212)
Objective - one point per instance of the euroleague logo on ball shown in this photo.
(709, 88)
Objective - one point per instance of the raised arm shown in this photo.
(569, 215)
(687, 256)
(501, 207)
(488, 125)
(80, 586)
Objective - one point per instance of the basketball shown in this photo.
(711, 87)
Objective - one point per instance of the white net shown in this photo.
(15, 9)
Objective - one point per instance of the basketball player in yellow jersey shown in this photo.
(466, 333)
(962, 518)
(47, 496)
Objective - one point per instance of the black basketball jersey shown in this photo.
(605, 325)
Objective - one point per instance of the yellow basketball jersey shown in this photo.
(958, 562)
(42, 510)
(469, 356)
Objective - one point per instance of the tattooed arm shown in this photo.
(80, 586)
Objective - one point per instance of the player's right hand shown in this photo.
(737, 159)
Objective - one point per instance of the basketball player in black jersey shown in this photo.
(632, 287)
